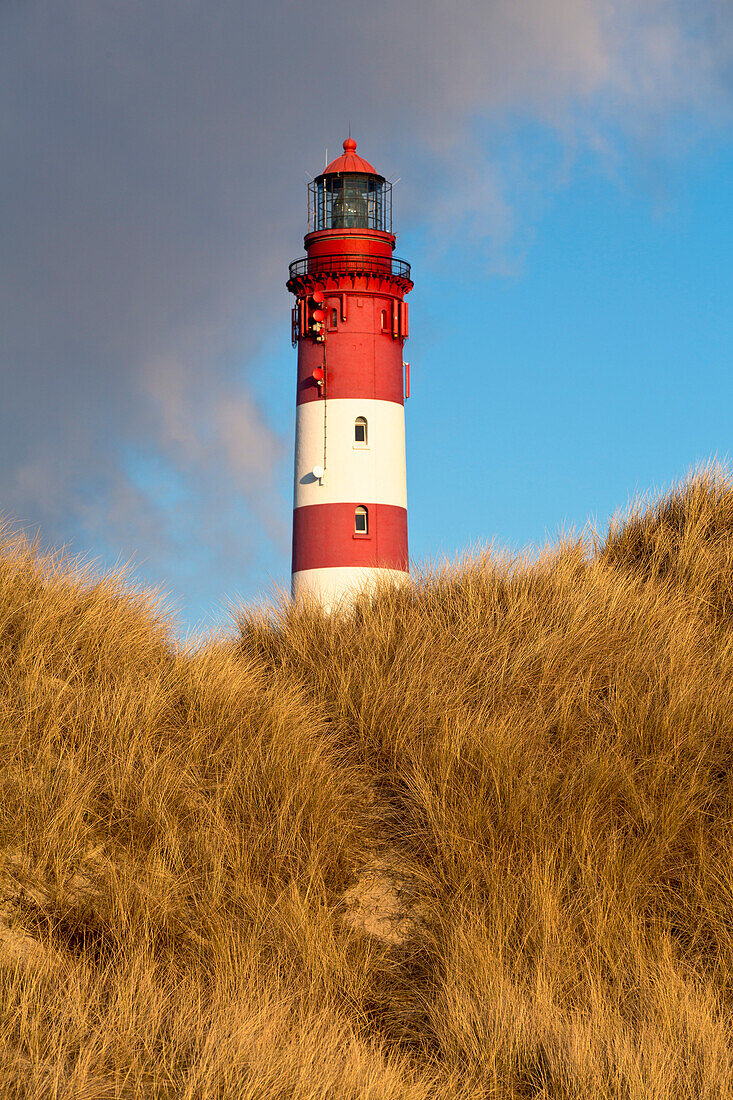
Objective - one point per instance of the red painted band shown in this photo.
(361, 240)
(362, 357)
(372, 376)
(323, 537)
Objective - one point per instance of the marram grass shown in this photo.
(545, 747)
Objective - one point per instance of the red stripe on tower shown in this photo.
(349, 323)
(325, 535)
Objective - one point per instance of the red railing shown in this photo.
(349, 263)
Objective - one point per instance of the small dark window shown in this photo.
(360, 430)
(385, 322)
(334, 318)
(361, 521)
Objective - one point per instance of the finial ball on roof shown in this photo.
(349, 161)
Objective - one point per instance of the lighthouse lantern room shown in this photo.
(349, 323)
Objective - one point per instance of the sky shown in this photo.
(565, 199)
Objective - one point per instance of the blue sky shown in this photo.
(564, 198)
(599, 367)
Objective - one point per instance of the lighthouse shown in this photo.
(349, 324)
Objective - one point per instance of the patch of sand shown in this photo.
(378, 902)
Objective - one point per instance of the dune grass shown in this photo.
(544, 746)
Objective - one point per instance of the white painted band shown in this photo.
(340, 583)
(375, 473)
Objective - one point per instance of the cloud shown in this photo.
(153, 193)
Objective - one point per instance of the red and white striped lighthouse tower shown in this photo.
(349, 325)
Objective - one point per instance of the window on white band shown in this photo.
(360, 431)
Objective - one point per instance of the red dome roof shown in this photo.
(349, 162)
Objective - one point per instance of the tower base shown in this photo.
(338, 586)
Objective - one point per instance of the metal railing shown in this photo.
(349, 263)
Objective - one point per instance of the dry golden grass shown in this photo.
(540, 750)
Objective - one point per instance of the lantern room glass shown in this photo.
(350, 200)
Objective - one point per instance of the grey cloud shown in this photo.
(153, 192)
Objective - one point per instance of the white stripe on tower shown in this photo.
(335, 585)
(371, 473)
